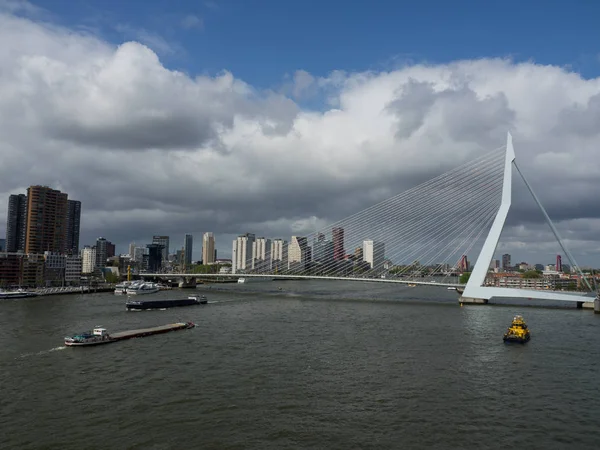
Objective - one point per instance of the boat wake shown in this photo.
(43, 352)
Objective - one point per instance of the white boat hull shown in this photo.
(17, 294)
(82, 344)
(141, 291)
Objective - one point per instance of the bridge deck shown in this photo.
(302, 277)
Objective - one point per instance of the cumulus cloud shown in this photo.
(156, 42)
(19, 6)
(191, 21)
(150, 150)
(304, 84)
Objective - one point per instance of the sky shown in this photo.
(277, 117)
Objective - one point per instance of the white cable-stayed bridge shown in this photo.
(419, 237)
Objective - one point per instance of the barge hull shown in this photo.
(159, 304)
(122, 335)
(130, 334)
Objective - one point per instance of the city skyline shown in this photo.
(260, 248)
(353, 134)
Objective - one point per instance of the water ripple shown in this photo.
(316, 366)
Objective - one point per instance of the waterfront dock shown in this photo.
(72, 290)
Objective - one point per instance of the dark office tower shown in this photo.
(559, 266)
(46, 228)
(16, 223)
(155, 252)
(164, 242)
(188, 244)
(73, 226)
(110, 249)
(338, 243)
(101, 252)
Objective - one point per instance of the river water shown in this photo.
(317, 364)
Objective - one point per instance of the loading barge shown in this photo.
(100, 336)
(161, 304)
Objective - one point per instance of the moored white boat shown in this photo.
(121, 288)
(19, 293)
(142, 288)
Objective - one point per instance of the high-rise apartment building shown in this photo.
(506, 261)
(73, 226)
(208, 248)
(16, 223)
(559, 265)
(261, 253)
(88, 259)
(299, 253)
(241, 258)
(188, 246)
(373, 253)
(164, 242)
(338, 243)
(46, 228)
(279, 254)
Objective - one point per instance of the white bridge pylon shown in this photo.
(475, 289)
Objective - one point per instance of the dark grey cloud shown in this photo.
(412, 106)
(175, 132)
(581, 120)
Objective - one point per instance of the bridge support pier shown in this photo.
(597, 305)
(472, 301)
(187, 282)
(587, 305)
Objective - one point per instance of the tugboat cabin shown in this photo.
(518, 322)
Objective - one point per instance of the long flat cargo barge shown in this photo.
(100, 336)
(138, 305)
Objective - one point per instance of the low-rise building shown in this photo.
(54, 269)
(33, 270)
(10, 269)
(73, 270)
(548, 281)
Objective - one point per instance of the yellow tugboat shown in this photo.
(518, 331)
